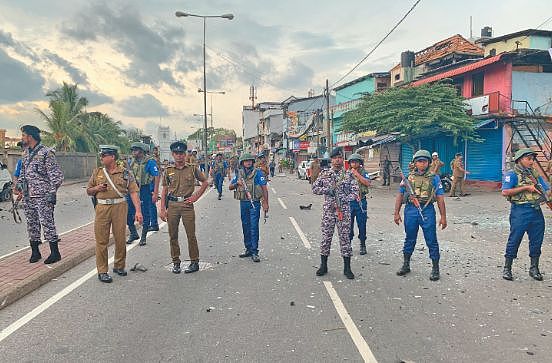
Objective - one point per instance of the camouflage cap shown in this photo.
(355, 157)
(139, 145)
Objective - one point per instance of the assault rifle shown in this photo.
(338, 202)
(15, 206)
(543, 198)
(410, 193)
(247, 192)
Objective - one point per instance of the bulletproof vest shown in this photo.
(139, 170)
(523, 180)
(219, 167)
(422, 185)
(363, 190)
(255, 190)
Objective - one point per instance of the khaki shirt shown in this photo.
(315, 170)
(181, 182)
(123, 181)
(456, 165)
(435, 166)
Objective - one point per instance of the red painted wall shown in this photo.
(498, 77)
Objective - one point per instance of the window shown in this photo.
(477, 84)
(458, 83)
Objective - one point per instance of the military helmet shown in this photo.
(422, 154)
(355, 157)
(246, 156)
(139, 145)
(522, 152)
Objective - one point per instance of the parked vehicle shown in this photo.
(6, 184)
(302, 169)
(446, 181)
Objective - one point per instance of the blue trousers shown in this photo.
(219, 178)
(250, 225)
(361, 215)
(145, 206)
(525, 218)
(153, 215)
(413, 221)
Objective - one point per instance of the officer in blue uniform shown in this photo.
(145, 172)
(250, 189)
(526, 190)
(219, 169)
(420, 190)
(359, 205)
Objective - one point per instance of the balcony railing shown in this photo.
(346, 106)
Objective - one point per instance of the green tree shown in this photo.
(413, 113)
(63, 127)
(69, 95)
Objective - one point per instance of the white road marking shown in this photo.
(61, 234)
(282, 203)
(273, 190)
(13, 327)
(358, 339)
(306, 242)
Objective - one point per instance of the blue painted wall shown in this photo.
(535, 88)
(540, 42)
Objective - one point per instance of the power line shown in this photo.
(537, 28)
(377, 45)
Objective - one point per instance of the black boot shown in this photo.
(507, 272)
(434, 271)
(323, 266)
(347, 268)
(133, 236)
(55, 256)
(35, 252)
(362, 247)
(534, 270)
(406, 265)
(144, 235)
(192, 267)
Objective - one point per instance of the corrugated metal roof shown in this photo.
(458, 71)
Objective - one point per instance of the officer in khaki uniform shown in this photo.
(177, 201)
(458, 173)
(109, 186)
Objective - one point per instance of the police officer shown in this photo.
(109, 186)
(314, 169)
(177, 202)
(525, 189)
(146, 173)
(219, 169)
(458, 173)
(339, 188)
(421, 189)
(359, 206)
(250, 189)
(38, 182)
(436, 164)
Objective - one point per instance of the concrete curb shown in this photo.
(28, 285)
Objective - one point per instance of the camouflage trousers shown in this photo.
(329, 222)
(39, 213)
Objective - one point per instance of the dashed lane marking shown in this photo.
(282, 203)
(306, 242)
(273, 190)
(350, 325)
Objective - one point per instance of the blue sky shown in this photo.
(140, 64)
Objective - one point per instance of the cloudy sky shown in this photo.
(137, 62)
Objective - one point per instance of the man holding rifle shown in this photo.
(526, 190)
(419, 191)
(249, 186)
(339, 188)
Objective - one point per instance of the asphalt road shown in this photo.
(278, 310)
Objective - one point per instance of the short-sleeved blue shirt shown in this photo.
(510, 181)
(436, 184)
(17, 171)
(151, 168)
(259, 178)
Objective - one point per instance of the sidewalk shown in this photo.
(18, 277)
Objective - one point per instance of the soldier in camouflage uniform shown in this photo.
(38, 182)
(359, 205)
(339, 187)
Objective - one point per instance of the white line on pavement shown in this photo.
(60, 295)
(273, 190)
(358, 339)
(306, 242)
(61, 234)
(282, 203)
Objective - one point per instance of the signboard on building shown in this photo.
(304, 145)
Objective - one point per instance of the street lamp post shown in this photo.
(180, 14)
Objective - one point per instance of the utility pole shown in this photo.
(328, 119)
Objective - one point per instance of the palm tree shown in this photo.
(69, 95)
(63, 133)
